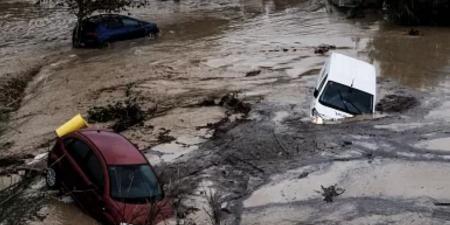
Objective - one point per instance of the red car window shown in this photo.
(77, 149)
(134, 183)
(86, 160)
(94, 171)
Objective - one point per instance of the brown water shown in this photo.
(416, 61)
(62, 213)
(205, 49)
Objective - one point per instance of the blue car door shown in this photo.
(134, 27)
(115, 29)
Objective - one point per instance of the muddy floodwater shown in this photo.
(268, 163)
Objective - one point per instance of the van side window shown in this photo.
(77, 149)
(94, 171)
(323, 82)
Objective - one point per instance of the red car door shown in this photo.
(75, 152)
(83, 175)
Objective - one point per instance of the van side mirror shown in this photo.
(316, 93)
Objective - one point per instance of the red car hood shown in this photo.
(144, 214)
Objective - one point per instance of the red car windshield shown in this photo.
(134, 183)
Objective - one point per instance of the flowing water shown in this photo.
(205, 49)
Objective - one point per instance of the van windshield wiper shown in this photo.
(343, 101)
(354, 106)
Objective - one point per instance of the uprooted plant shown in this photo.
(125, 114)
(230, 101)
(178, 189)
(329, 193)
(214, 210)
(18, 202)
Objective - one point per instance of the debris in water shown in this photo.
(346, 143)
(207, 102)
(126, 114)
(253, 73)
(6, 145)
(232, 102)
(396, 103)
(13, 87)
(413, 32)
(303, 175)
(370, 156)
(164, 136)
(331, 192)
(229, 101)
(323, 48)
(16, 196)
(442, 204)
(14, 160)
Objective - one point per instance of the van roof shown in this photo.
(352, 72)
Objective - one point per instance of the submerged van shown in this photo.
(346, 87)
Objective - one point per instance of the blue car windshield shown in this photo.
(346, 99)
(134, 183)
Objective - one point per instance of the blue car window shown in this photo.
(113, 23)
(89, 27)
(130, 22)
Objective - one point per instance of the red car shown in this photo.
(108, 177)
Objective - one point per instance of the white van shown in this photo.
(346, 87)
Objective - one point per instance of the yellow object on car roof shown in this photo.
(74, 124)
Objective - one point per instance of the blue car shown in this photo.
(97, 31)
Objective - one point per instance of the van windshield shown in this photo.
(134, 183)
(346, 99)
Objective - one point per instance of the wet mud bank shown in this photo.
(267, 173)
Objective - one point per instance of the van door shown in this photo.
(323, 75)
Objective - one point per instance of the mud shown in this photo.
(29, 192)
(12, 87)
(396, 103)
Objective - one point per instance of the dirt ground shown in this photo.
(220, 103)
